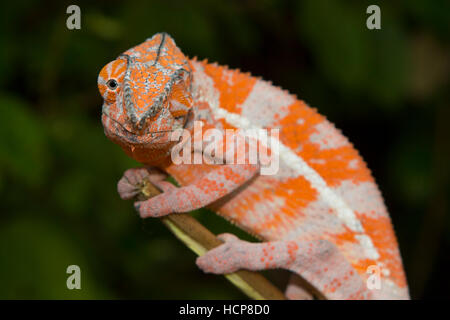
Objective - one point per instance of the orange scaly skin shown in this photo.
(321, 216)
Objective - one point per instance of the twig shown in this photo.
(200, 240)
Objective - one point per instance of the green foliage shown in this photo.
(22, 141)
(35, 255)
(344, 48)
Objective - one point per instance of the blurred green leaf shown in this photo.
(34, 257)
(410, 170)
(336, 34)
(23, 148)
(103, 26)
(388, 71)
(356, 60)
(431, 13)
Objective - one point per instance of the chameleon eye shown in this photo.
(112, 84)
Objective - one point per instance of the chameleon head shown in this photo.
(147, 94)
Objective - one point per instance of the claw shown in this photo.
(131, 182)
(126, 190)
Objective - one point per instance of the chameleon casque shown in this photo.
(320, 216)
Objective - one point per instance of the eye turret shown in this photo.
(110, 78)
(112, 84)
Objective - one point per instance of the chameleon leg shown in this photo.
(209, 188)
(202, 192)
(319, 262)
(130, 183)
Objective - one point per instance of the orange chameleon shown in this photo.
(320, 216)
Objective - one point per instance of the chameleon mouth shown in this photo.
(120, 132)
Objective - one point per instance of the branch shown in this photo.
(200, 240)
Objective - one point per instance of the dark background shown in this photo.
(388, 90)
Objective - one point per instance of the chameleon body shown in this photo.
(320, 216)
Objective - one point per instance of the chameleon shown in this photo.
(321, 216)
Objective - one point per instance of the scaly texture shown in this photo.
(320, 216)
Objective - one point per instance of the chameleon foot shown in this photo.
(226, 258)
(131, 182)
(309, 259)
